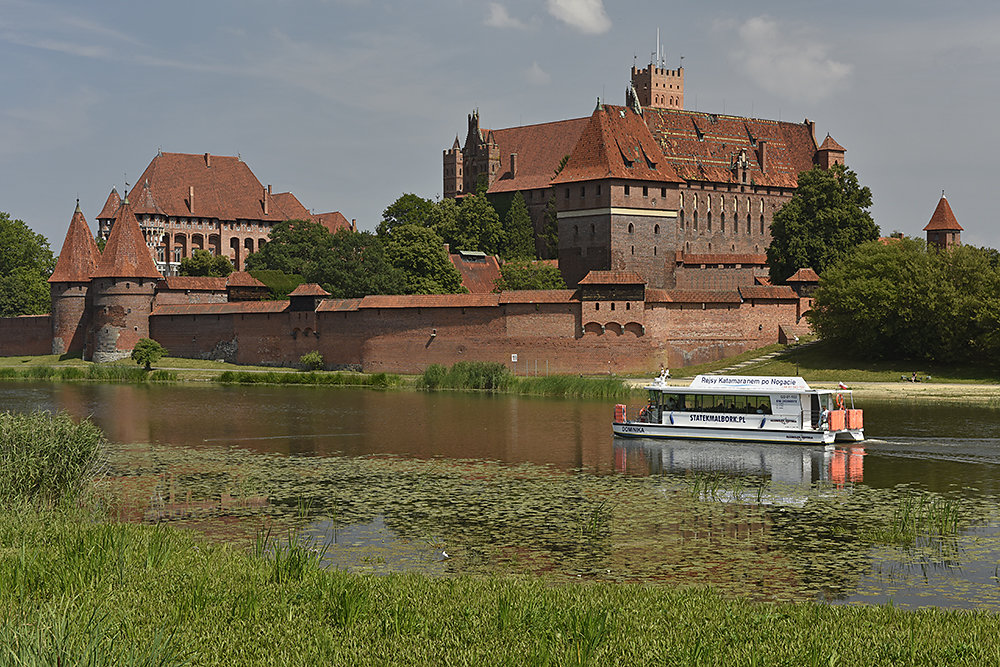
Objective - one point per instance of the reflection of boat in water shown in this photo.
(802, 464)
(745, 408)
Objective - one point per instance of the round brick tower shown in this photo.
(69, 285)
(122, 290)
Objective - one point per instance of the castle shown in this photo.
(186, 202)
(683, 198)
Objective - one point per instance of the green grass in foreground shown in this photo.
(92, 372)
(74, 589)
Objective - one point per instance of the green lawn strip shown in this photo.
(71, 586)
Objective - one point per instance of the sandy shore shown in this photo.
(937, 391)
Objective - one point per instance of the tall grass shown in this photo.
(46, 458)
(93, 372)
(375, 380)
(496, 377)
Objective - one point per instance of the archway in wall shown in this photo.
(613, 327)
(235, 254)
(180, 247)
(593, 328)
(248, 246)
(634, 328)
(214, 244)
(197, 242)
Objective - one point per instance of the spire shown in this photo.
(943, 219)
(110, 206)
(79, 255)
(126, 254)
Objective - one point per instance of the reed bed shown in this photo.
(93, 373)
(497, 377)
(340, 378)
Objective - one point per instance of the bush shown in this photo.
(434, 377)
(482, 375)
(311, 361)
(46, 457)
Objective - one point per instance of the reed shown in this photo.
(338, 378)
(496, 377)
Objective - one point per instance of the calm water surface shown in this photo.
(948, 449)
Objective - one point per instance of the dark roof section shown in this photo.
(616, 144)
(126, 254)
(804, 276)
(612, 278)
(308, 289)
(770, 292)
(944, 219)
(539, 150)
(79, 256)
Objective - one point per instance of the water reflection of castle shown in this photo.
(794, 464)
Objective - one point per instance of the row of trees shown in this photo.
(26, 262)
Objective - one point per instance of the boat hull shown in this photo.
(646, 430)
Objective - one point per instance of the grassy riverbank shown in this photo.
(78, 588)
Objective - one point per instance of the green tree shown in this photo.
(356, 265)
(821, 223)
(26, 262)
(204, 263)
(279, 284)
(418, 252)
(518, 231)
(409, 209)
(295, 246)
(479, 226)
(903, 300)
(550, 230)
(527, 274)
(147, 352)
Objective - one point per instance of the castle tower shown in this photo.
(122, 290)
(943, 229)
(453, 171)
(829, 153)
(107, 215)
(659, 87)
(481, 155)
(69, 285)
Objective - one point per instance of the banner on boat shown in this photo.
(749, 382)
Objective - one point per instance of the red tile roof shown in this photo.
(243, 279)
(616, 144)
(309, 289)
(193, 283)
(762, 280)
(231, 308)
(430, 301)
(692, 296)
(943, 219)
(539, 150)
(224, 189)
(612, 278)
(110, 206)
(830, 144)
(126, 254)
(770, 292)
(698, 259)
(338, 305)
(479, 274)
(703, 147)
(79, 255)
(539, 296)
(804, 276)
(333, 221)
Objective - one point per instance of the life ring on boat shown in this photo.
(840, 401)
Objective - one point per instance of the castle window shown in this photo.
(628, 306)
(722, 222)
(748, 223)
(626, 191)
(593, 231)
(598, 189)
(597, 306)
(656, 229)
(567, 193)
(633, 250)
(645, 191)
(576, 232)
(583, 190)
(681, 220)
(761, 224)
(654, 251)
(696, 219)
(612, 306)
(631, 228)
(709, 221)
(663, 192)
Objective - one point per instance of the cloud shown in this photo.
(788, 60)
(587, 16)
(499, 18)
(536, 76)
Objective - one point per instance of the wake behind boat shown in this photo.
(728, 407)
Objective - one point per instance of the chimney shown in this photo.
(513, 164)
(447, 249)
(208, 159)
(762, 154)
(190, 199)
(354, 224)
(267, 194)
(268, 188)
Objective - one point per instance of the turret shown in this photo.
(943, 229)
(69, 286)
(659, 87)
(122, 290)
(453, 170)
(829, 153)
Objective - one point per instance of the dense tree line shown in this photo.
(26, 262)
(902, 299)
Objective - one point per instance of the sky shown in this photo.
(349, 103)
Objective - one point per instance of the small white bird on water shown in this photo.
(444, 555)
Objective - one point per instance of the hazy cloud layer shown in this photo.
(498, 17)
(788, 60)
(587, 16)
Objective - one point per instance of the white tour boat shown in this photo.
(727, 407)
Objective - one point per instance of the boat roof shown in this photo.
(741, 384)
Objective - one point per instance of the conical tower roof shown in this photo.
(943, 219)
(79, 255)
(830, 144)
(126, 254)
(111, 205)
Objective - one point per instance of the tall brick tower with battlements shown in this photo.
(69, 285)
(659, 87)
(122, 290)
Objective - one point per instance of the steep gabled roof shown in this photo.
(616, 144)
(830, 144)
(243, 279)
(110, 206)
(943, 219)
(479, 271)
(79, 255)
(703, 147)
(804, 276)
(333, 221)
(308, 289)
(126, 254)
(540, 148)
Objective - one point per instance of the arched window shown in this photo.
(681, 220)
(709, 221)
(628, 306)
(597, 306)
(631, 228)
(612, 306)
(762, 224)
(722, 221)
(654, 251)
(656, 229)
(748, 224)
(696, 218)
